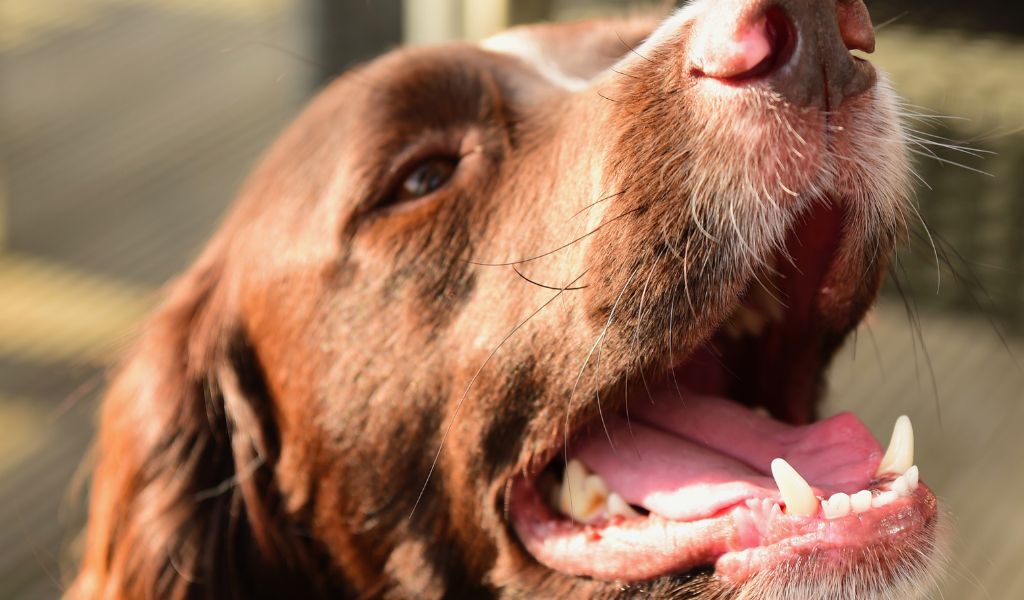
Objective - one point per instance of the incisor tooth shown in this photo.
(901, 486)
(572, 486)
(900, 455)
(617, 505)
(884, 499)
(913, 477)
(837, 506)
(861, 501)
(796, 493)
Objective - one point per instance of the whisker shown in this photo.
(547, 287)
(931, 240)
(889, 22)
(596, 202)
(579, 376)
(917, 333)
(469, 386)
(560, 248)
(631, 48)
(929, 154)
(938, 140)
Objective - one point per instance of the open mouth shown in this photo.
(720, 463)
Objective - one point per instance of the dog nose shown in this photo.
(799, 47)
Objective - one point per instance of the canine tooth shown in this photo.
(901, 486)
(594, 486)
(837, 506)
(861, 501)
(913, 477)
(595, 496)
(572, 487)
(900, 455)
(617, 505)
(798, 496)
(884, 499)
(583, 494)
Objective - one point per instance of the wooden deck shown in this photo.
(125, 129)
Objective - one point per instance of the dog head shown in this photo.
(534, 317)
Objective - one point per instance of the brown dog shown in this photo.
(542, 317)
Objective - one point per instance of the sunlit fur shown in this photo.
(334, 399)
(916, 577)
(752, 163)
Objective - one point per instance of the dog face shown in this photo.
(495, 320)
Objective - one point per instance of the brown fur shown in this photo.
(270, 433)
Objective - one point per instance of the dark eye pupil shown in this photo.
(428, 177)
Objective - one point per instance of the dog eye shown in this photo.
(425, 178)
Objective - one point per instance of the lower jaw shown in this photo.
(739, 543)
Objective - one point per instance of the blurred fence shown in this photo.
(972, 198)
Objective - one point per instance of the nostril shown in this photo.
(782, 37)
(753, 49)
(855, 26)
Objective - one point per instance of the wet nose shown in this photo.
(799, 47)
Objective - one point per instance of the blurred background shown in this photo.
(127, 125)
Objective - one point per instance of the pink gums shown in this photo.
(701, 466)
(739, 543)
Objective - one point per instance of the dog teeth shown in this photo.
(913, 477)
(595, 488)
(900, 455)
(884, 499)
(861, 501)
(582, 493)
(585, 497)
(840, 505)
(901, 486)
(796, 493)
(905, 484)
(617, 505)
(836, 507)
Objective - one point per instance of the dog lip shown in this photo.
(739, 542)
(744, 534)
(643, 548)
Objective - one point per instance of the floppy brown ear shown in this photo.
(183, 500)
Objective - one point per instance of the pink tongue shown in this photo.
(687, 459)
